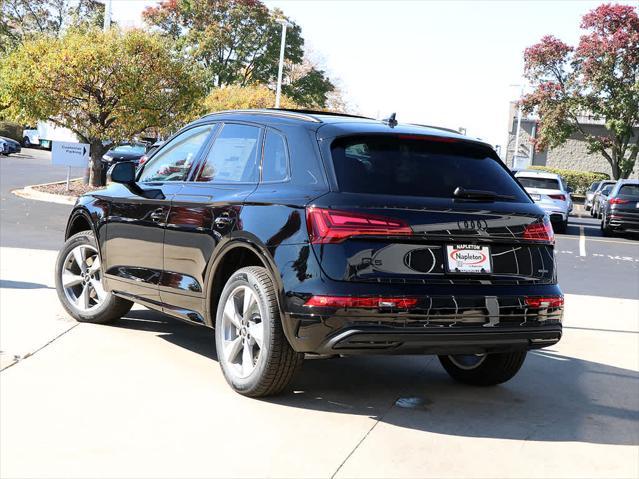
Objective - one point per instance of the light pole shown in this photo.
(521, 94)
(278, 92)
(107, 15)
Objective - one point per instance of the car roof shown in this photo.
(537, 174)
(628, 181)
(333, 124)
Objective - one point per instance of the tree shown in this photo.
(306, 84)
(23, 19)
(239, 97)
(102, 86)
(598, 79)
(238, 43)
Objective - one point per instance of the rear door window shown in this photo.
(233, 156)
(411, 165)
(541, 183)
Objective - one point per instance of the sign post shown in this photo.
(69, 154)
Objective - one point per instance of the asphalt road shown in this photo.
(27, 223)
(600, 266)
(145, 396)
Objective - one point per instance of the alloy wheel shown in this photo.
(242, 331)
(81, 279)
(467, 361)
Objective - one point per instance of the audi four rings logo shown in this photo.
(473, 225)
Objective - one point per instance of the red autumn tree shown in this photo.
(597, 79)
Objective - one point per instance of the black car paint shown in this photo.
(163, 246)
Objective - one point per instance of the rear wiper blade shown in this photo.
(480, 195)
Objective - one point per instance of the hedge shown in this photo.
(579, 181)
(11, 130)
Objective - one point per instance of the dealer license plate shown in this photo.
(468, 258)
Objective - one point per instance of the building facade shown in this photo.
(572, 155)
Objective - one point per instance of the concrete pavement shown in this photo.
(146, 398)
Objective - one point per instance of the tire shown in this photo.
(92, 303)
(605, 229)
(492, 369)
(249, 369)
(561, 227)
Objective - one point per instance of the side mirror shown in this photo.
(122, 172)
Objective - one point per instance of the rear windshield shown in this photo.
(629, 190)
(542, 183)
(594, 186)
(407, 165)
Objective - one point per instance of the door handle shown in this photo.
(158, 215)
(223, 221)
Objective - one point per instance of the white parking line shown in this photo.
(582, 242)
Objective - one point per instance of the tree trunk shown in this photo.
(96, 178)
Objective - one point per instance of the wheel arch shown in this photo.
(80, 220)
(233, 255)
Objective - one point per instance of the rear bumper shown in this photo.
(623, 221)
(443, 341)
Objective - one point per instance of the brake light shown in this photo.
(545, 302)
(333, 226)
(360, 302)
(540, 231)
(617, 201)
(558, 197)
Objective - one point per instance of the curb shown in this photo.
(29, 192)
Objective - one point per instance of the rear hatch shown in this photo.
(427, 209)
(626, 202)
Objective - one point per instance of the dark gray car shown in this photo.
(621, 210)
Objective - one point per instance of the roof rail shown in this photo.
(272, 112)
(319, 112)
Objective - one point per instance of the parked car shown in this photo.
(601, 199)
(296, 233)
(595, 196)
(590, 194)
(621, 210)
(150, 151)
(8, 146)
(122, 152)
(551, 193)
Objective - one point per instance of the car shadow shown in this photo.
(6, 283)
(553, 398)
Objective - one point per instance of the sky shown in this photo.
(449, 63)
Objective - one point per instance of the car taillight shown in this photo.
(142, 160)
(538, 302)
(540, 231)
(617, 201)
(333, 226)
(558, 197)
(360, 302)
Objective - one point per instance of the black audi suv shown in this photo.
(297, 233)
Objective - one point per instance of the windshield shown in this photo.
(411, 165)
(536, 182)
(594, 186)
(130, 149)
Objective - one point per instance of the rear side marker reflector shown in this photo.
(355, 302)
(333, 226)
(545, 302)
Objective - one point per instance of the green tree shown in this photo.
(24, 19)
(597, 79)
(102, 86)
(243, 97)
(238, 43)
